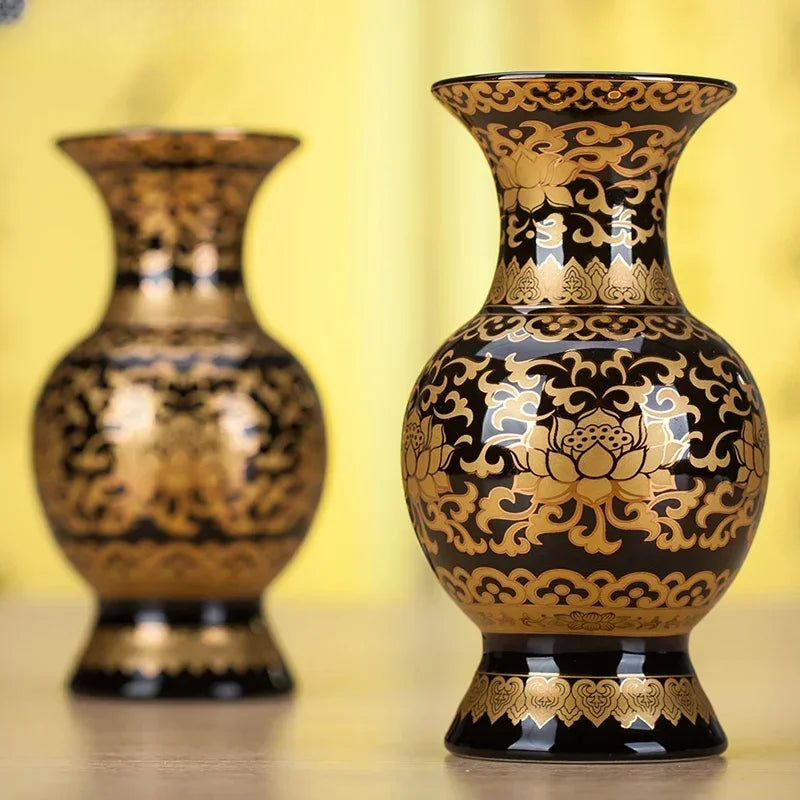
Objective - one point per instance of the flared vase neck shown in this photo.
(178, 204)
(582, 166)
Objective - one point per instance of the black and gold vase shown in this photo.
(585, 463)
(179, 450)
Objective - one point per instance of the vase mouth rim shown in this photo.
(545, 75)
(154, 146)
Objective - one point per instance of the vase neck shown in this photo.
(614, 254)
(178, 237)
(582, 167)
(178, 205)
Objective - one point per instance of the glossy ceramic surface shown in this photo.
(585, 462)
(179, 450)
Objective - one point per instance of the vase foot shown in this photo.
(147, 650)
(585, 699)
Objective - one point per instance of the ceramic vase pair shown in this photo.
(584, 461)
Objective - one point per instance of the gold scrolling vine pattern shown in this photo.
(183, 428)
(585, 197)
(569, 166)
(468, 99)
(611, 181)
(594, 449)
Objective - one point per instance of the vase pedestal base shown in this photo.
(583, 698)
(147, 650)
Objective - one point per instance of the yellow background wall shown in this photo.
(402, 243)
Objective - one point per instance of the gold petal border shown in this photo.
(626, 699)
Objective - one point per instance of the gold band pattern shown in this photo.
(564, 601)
(179, 569)
(596, 283)
(153, 648)
(543, 697)
(547, 94)
(595, 620)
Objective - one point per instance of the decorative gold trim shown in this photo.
(153, 648)
(556, 94)
(643, 590)
(596, 620)
(596, 283)
(154, 147)
(581, 324)
(154, 307)
(543, 697)
(174, 570)
(565, 601)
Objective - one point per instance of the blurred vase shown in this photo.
(179, 450)
(584, 461)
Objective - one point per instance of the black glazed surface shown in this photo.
(584, 460)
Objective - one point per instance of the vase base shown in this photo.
(169, 649)
(631, 702)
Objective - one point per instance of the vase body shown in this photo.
(584, 461)
(179, 450)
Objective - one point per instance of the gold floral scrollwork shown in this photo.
(430, 497)
(601, 461)
(568, 168)
(181, 442)
(558, 324)
(174, 463)
(751, 449)
(732, 507)
(543, 698)
(612, 447)
(606, 455)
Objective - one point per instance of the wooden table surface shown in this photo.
(378, 688)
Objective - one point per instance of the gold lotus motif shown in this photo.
(424, 455)
(528, 178)
(599, 456)
(751, 450)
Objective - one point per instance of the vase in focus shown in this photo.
(179, 450)
(585, 462)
